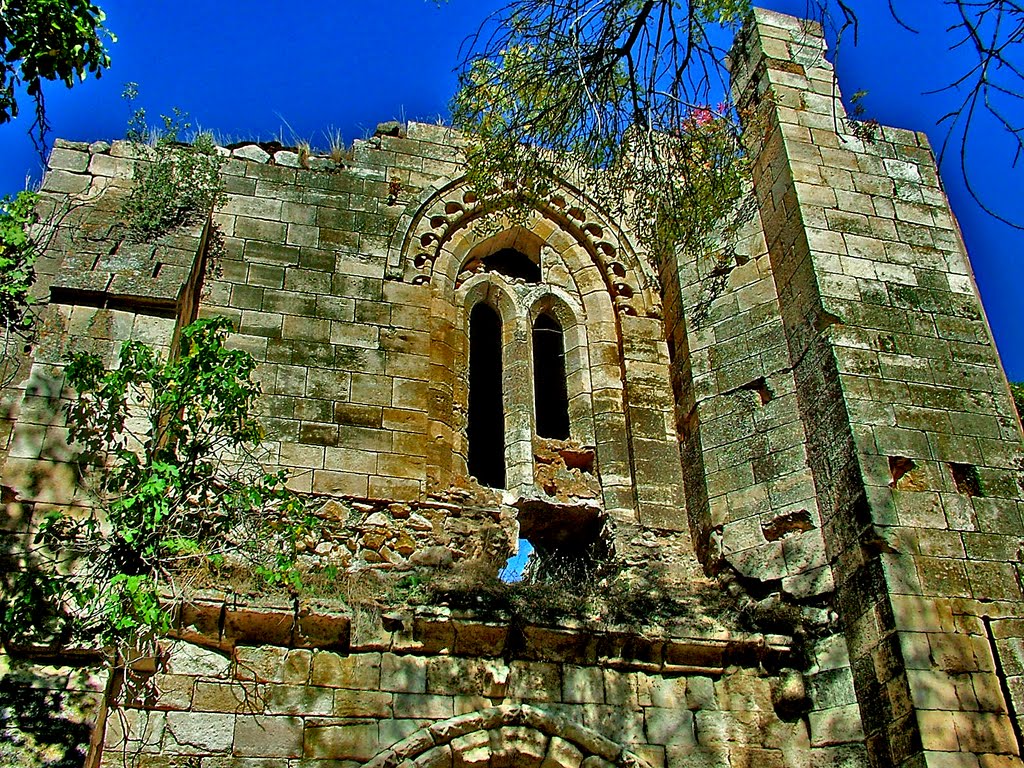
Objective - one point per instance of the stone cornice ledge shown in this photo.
(440, 631)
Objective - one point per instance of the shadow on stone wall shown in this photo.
(46, 715)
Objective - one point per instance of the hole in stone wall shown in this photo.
(760, 386)
(550, 395)
(965, 478)
(787, 525)
(485, 428)
(516, 565)
(568, 543)
(509, 261)
(512, 263)
(564, 470)
(905, 474)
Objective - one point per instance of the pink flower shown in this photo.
(702, 115)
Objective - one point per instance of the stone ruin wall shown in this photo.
(813, 414)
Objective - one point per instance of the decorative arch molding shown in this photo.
(423, 244)
(616, 296)
(493, 293)
(527, 733)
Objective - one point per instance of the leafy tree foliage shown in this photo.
(615, 92)
(167, 445)
(47, 40)
(625, 88)
(17, 255)
(180, 183)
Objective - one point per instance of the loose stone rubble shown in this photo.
(810, 425)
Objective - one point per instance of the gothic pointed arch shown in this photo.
(455, 243)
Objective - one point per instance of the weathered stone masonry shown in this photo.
(811, 418)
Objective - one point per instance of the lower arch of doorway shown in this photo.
(520, 731)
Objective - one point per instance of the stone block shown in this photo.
(744, 691)
(669, 727)
(534, 681)
(68, 160)
(403, 674)
(192, 733)
(273, 664)
(134, 730)
(227, 697)
(667, 692)
(624, 725)
(298, 700)
(473, 750)
(175, 691)
(355, 740)
(424, 706)
(187, 659)
(438, 757)
(511, 745)
(582, 685)
(355, 704)
(981, 732)
(259, 736)
(472, 677)
(700, 693)
(699, 756)
(621, 688)
(838, 725)
(832, 688)
(359, 671)
(562, 754)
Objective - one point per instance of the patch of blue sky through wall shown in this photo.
(513, 570)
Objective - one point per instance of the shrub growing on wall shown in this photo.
(167, 448)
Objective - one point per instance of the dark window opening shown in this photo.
(512, 263)
(549, 389)
(485, 429)
(966, 478)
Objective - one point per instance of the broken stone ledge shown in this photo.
(432, 631)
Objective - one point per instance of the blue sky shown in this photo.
(264, 69)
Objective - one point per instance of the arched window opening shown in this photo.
(485, 429)
(549, 388)
(514, 253)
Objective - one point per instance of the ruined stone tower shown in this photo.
(811, 444)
